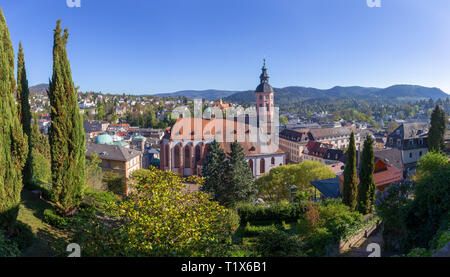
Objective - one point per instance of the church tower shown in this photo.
(264, 99)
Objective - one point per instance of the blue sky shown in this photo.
(149, 46)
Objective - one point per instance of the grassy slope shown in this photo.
(48, 241)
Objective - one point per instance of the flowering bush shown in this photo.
(393, 199)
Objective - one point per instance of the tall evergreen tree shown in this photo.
(214, 169)
(13, 143)
(437, 130)
(239, 185)
(366, 187)
(66, 134)
(23, 104)
(349, 194)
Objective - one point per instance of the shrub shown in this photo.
(55, 220)
(254, 231)
(24, 236)
(8, 248)
(277, 212)
(276, 243)
(100, 199)
(318, 241)
(114, 182)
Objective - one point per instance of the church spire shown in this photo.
(264, 77)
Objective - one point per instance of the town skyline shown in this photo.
(168, 47)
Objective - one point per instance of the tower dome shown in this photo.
(264, 85)
(104, 139)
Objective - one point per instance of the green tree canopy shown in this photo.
(350, 190)
(13, 142)
(160, 218)
(23, 104)
(275, 184)
(437, 130)
(66, 134)
(431, 162)
(366, 186)
(238, 185)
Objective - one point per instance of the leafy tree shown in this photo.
(160, 219)
(366, 187)
(437, 130)
(100, 111)
(430, 163)
(283, 120)
(66, 134)
(349, 194)
(39, 141)
(23, 104)
(94, 173)
(238, 185)
(114, 182)
(214, 169)
(275, 184)
(429, 210)
(13, 143)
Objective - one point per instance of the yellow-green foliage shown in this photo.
(13, 143)
(160, 218)
(275, 184)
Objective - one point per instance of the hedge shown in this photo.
(55, 220)
(277, 212)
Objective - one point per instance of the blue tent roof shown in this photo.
(328, 187)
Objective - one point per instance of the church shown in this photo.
(184, 146)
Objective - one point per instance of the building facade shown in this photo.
(411, 140)
(185, 146)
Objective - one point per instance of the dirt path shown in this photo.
(361, 251)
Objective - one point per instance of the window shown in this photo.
(176, 153)
(410, 155)
(272, 161)
(166, 158)
(187, 157)
(197, 154)
(260, 97)
(250, 164)
(420, 153)
(262, 166)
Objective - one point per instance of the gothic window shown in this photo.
(166, 156)
(262, 166)
(187, 157)
(197, 153)
(176, 153)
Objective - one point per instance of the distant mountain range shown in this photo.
(39, 88)
(211, 94)
(397, 93)
(293, 94)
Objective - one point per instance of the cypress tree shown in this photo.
(437, 130)
(66, 134)
(349, 193)
(239, 178)
(366, 187)
(214, 169)
(23, 104)
(13, 143)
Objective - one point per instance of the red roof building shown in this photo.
(384, 175)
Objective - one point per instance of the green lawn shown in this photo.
(48, 241)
